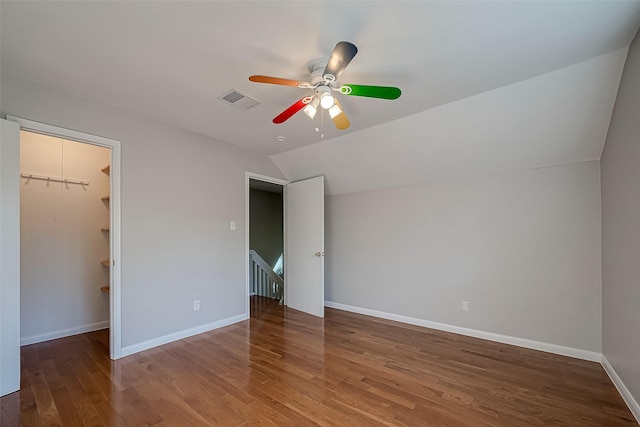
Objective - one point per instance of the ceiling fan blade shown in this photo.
(278, 81)
(382, 92)
(297, 106)
(342, 54)
(341, 120)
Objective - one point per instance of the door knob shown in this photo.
(319, 253)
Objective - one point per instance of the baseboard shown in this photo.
(64, 333)
(628, 398)
(505, 339)
(136, 348)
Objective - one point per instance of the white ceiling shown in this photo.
(171, 60)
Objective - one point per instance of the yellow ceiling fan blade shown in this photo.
(341, 120)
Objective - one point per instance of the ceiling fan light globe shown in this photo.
(327, 101)
(310, 111)
(335, 111)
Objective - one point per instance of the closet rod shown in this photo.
(48, 178)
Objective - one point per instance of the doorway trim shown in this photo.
(248, 176)
(115, 276)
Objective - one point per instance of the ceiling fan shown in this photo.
(323, 81)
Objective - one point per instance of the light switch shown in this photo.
(232, 225)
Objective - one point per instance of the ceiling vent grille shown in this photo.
(238, 100)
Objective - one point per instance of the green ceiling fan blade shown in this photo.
(382, 92)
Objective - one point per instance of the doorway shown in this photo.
(266, 245)
(303, 218)
(64, 237)
(108, 265)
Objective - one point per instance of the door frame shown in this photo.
(115, 276)
(248, 176)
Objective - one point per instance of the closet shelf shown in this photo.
(106, 228)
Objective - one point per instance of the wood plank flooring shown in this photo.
(286, 368)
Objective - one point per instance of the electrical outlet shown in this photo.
(465, 305)
(196, 304)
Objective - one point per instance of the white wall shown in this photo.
(621, 232)
(523, 248)
(9, 258)
(61, 242)
(179, 192)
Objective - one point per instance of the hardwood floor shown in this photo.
(286, 368)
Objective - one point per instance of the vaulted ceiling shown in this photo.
(486, 86)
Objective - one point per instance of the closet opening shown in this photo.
(65, 241)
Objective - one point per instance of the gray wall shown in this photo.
(179, 192)
(523, 248)
(621, 229)
(265, 217)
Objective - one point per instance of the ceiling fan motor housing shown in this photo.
(316, 69)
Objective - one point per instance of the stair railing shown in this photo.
(263, 280)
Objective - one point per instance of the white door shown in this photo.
(304, 250)
(9, 257)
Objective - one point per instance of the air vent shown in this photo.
(238, 100)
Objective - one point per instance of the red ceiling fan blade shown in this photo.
(278, 81)
(342, 54)
(297, 106)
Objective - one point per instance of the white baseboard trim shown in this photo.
(490, 336)
(136, 348)
(628, 398)
(64, 333)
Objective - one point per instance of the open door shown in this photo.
(9, 257)
(304, 250)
